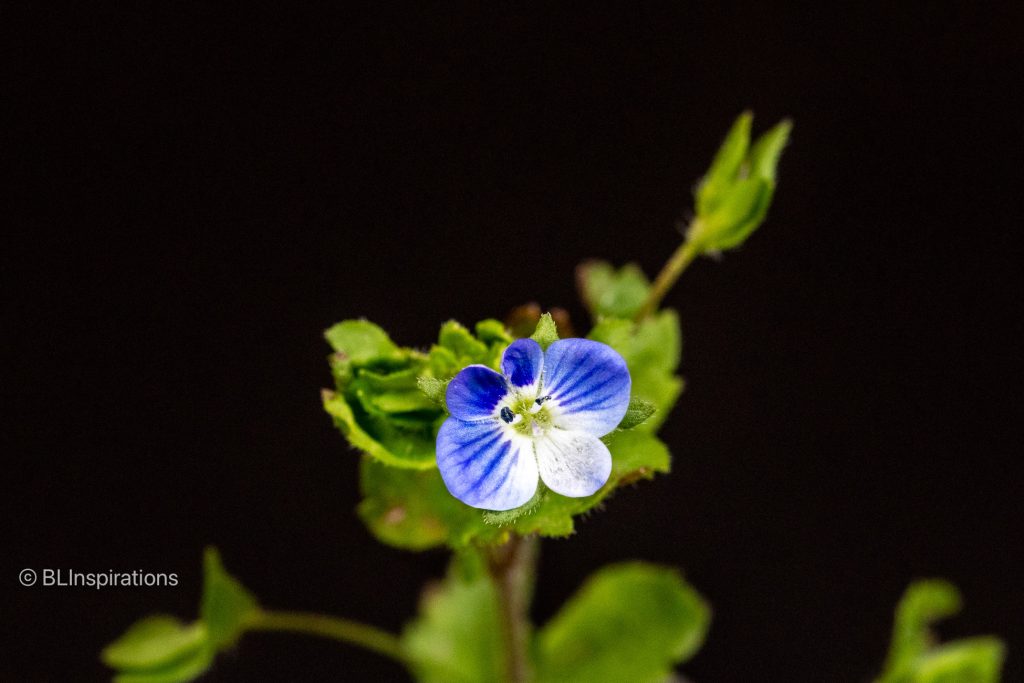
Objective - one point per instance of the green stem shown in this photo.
(673, 268)
(335, 628)
(512, 568)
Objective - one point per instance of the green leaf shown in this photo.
(414, 510)
(607, 292)
(155, 642)
(378, 405)
(629, 622)
(186, 669)
(360, 340)
(506, 517)
(971, 660)
(637, 413)
(764, 155)
(546, 332)
(924, 603)
(742, 210)
(457, 348)
(652, 350)
(434, 389)
(161, 649)
(461, 341)
(726, 165)
(915, 655)
(395, 444)
(457, 637)
(226, 603)
(734, 196)
(492, 331)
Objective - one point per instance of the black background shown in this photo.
(197, 194)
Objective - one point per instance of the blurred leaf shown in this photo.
(637, 413)
(546, 332)
(161, 649)
(726, 165)
(923, 603)
(155, 642)
(461, 341)
(457, 348)
(492, 331)
(226, 603)
(457, 636)
(734, 196)
(629, 622)
(971, 660)
(743, 208)
(414, 510)
(186, 669)
(607, 292)
(652, 350)
(915, 655)
(360, 340)
(764, 155)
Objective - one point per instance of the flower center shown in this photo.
(527, 415)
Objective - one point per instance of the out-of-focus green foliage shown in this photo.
(457, 637)
(915, 655)
(732, 199)
(610, 292)
(162, 649)
(629, 622)
(412, 509)
(226, 603)
(159, 648)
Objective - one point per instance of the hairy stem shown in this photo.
(335, 628)
(512, 568)
(670, 272)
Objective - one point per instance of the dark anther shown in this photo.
(540, 401)
(506, 415)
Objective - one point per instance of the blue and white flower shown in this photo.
(542, 416)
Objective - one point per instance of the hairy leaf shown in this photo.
(546, 333)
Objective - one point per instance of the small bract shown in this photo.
(543, 417)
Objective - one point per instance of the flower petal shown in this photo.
(588, 383)
(475, 392)
(573, 464)
(523, 363)
(486, 465)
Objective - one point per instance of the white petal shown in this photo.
(574, 464)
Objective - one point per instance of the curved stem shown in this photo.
(670, 272)
(512, 568)
(335, 628)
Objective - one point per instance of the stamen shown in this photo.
(506, 415)
(542, 399)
